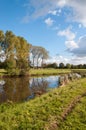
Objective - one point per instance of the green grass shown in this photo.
(2, 72)
(48, 71)
(44, 113)
(76, 120)
(39, 72)
(80, 71)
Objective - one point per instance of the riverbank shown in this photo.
(49, 111)
(46, 72)
(39, 72)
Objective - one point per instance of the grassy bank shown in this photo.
(80, 71)
(48, 71)
(2, 72)
(76, 120)
(49, 111)
(39, 72)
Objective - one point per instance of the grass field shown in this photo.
(51, 71)
(80, 71)
(63, 108)
(76, 120)
(48, 71)
(35, 72)
(2, 71)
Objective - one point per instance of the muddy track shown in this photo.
(71, 106)
(55, 125)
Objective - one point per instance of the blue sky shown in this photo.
(57, 25)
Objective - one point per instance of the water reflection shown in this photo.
(22, 89)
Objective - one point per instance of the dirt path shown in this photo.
(55, 125)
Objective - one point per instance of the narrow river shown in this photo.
(26, 88)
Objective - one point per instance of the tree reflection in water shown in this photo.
(39, 86)
(25, 88)
(15, 89)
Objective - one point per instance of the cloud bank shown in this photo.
(77, 48)
(67, 33)
(80, 51)
(63, 59)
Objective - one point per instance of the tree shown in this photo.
(1, 37)
(16, 51)
(38, 54)
(68, 66)
(7, 46)
(1, 43)
(33, 52)
(44, 55)
(84, 66)
(22, 54)
(50, 65)
(61, 65)
(80, 66)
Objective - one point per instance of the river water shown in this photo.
(26, 88)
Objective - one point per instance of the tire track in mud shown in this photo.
(55, 124)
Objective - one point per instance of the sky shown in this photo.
(57, 25)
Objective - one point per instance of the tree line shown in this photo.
(64, 66)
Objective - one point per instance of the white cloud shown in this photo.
(39, 8)
(67, 33)
(71, 44)
(77, 48)
(54, 12)
(81, 50)
(63, 59)
(77, 60)
(42, 7)
(70, 36)
(49, 21)
(62, 3)
(57, 59)
(79, 9)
